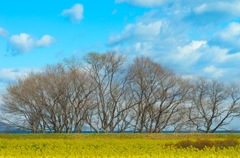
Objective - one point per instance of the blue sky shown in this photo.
(193, 38)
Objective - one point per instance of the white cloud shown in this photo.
(231, 33)
(138, 31)
(199, 52)
(3, 32)
(46, 40)
(201, 59)
(144, 48)
(141, 48)
(213, 71)
(229, 37)
(230, 7)
(75, 13)
(144, 3)
(188, 37)
(23, 42)
(207, 12)
(189, 53)
(11, 74)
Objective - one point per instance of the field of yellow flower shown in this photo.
(118, 145)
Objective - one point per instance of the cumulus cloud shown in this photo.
(46, 40)
(212, 12)
(229, 37)
(213, 71)
(3, 32)
(11, 74)
(144, 48)
(211, 48)
(75, 13)
(143, 3)
(201, 59)
(227, 7)
(189, 53)
(141, 48)
(138, 31)
(23, 42)
(232, 31)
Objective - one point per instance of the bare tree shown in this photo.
(171, 106)
(22, 105)
(159, 95)
(213, 105)
(143, 74)
(79, 98)
(107, 95)
(57, 99)
(107, 72)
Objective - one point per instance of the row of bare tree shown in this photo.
(105, 93)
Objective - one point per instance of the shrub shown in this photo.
(201, 144)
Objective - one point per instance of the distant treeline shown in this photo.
(107, 93)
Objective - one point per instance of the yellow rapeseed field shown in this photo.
(113, 145)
